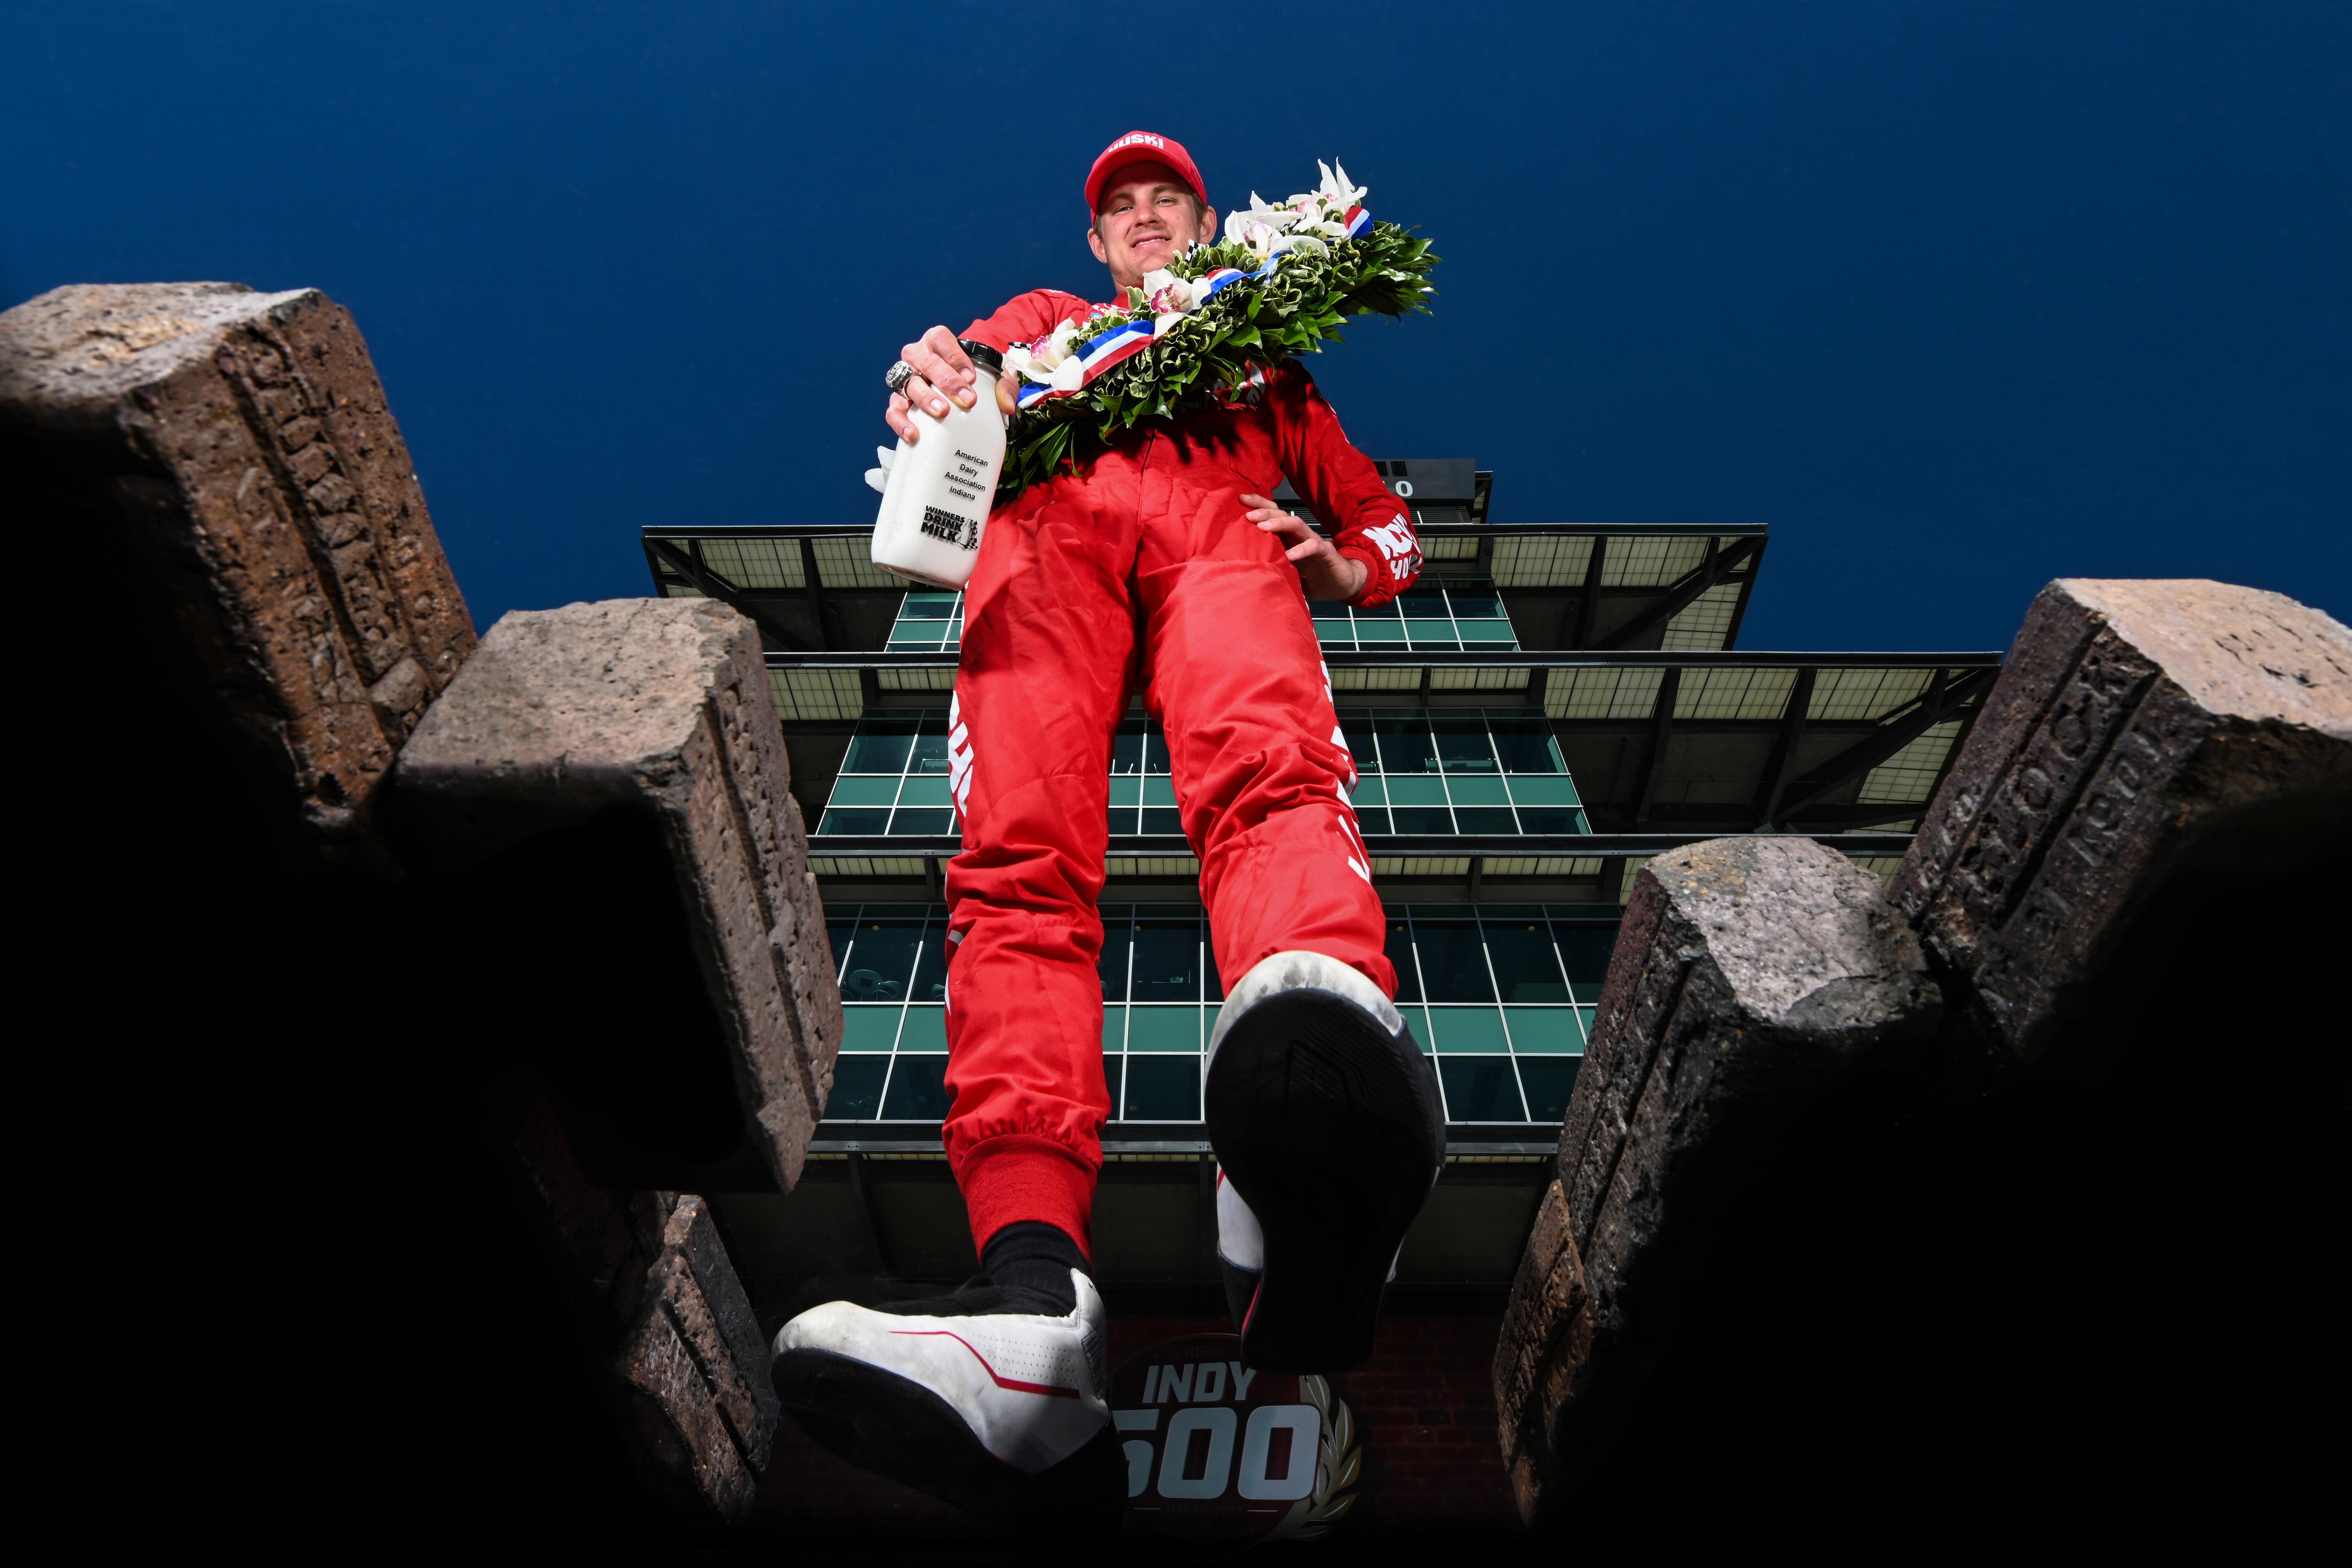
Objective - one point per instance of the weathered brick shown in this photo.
(667, 1332)
(661, 708)
(2141, 732)
(1752, 979)
(225, 460)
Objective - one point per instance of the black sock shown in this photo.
(1031, 1254)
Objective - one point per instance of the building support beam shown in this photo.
(1938, 702)
(1661, 726)
(1678, 598)
(814, 587)
(1589, 608)
(713, 587)
(1783, 764)
(861, 1187)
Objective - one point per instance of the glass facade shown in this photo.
(1501, 996)
(1454, 615)
(1450, 770)
(1460, 770)
(1458, 614)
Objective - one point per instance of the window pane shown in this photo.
(1423, 819)
(1585, 950)
(1524, 965)
(1373, 821)
(1114, 1068)
(1462, 743)
(1477, 791)
(1167, 961)
(1480, 1088)
(1113, 963)
(926, 1030)
(1486, 819)
(1525, 745)
(1126, 748)
(1369, 632)
(1416, 1022)
(1440, 632)
(1452, 960)
(840, 929)
(1155, 751)
(920, 791)
(925, 822)
(1405, 745)
(1163, 1029)
(919, 1089)
(1417, 789)
(1338, 631)
(1471, 603)
(1212, 985)
(879, 970)
(928, 606)
(1114, 1033)
(1548, 789)
(930, 753)
(1550, 819)
(1462, 1029)
(1484, 632)
(1359, 732)
(1159, 789)
(1400, 952)
(848, 789)
(865, 1029)
(857, 1088)
(879, 746)
(1422, 603)
(1549, 1080)
(1545, 1031)
(1126, 790)
(1163, 1089)
(930, 974)
(858, 822)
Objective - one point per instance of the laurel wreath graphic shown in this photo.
(1338, 1465)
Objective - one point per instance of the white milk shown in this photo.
(936, 492)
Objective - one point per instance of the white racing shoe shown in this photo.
(1328, 1132)
(986, 1397)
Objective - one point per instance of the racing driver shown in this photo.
(1161, 566)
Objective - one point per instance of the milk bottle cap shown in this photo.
(987, 358)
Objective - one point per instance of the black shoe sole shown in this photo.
(896, 1428)
(1330, 1129)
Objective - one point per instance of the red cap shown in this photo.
(1142, 147)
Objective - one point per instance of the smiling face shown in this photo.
(1148, 219)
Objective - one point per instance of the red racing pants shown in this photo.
(1144, 575)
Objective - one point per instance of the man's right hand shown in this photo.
(942, 371)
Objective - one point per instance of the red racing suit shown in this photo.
(1141, 571)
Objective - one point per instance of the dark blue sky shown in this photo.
(1957, 297)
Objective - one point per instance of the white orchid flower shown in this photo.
(1169, 295)
(1336, 191)
(1273, 218)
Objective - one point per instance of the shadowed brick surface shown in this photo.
(226, 461)
(658, 709)
(669, 1333)
(1752, 977)
(2141, 731)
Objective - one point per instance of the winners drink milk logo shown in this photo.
(1221, 1454)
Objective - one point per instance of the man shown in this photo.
(1161, 564)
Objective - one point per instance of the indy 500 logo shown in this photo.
(1218, 1453)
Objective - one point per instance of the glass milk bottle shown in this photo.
(937, 491)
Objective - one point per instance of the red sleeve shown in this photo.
(1025, 317)
(1342, 487)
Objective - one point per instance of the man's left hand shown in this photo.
(1327, 574)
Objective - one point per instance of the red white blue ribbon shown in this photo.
(1359, 222)
(1116, 346)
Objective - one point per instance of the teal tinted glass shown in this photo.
(1545, 1031)
(919, 1089)
(926, 1030)
(865, 1029)
(1160, 1029)
(1524, 966)
(1460, 1030)
(879, 746)
(858, 1088)
(853, 790)
(1585, 950)
(1480, 1088)
(1525, 744)
(1462, 744)
(883, 961)
(1400, 954)
(1163, 1089)
(1549, 1081)
(1452, 960)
